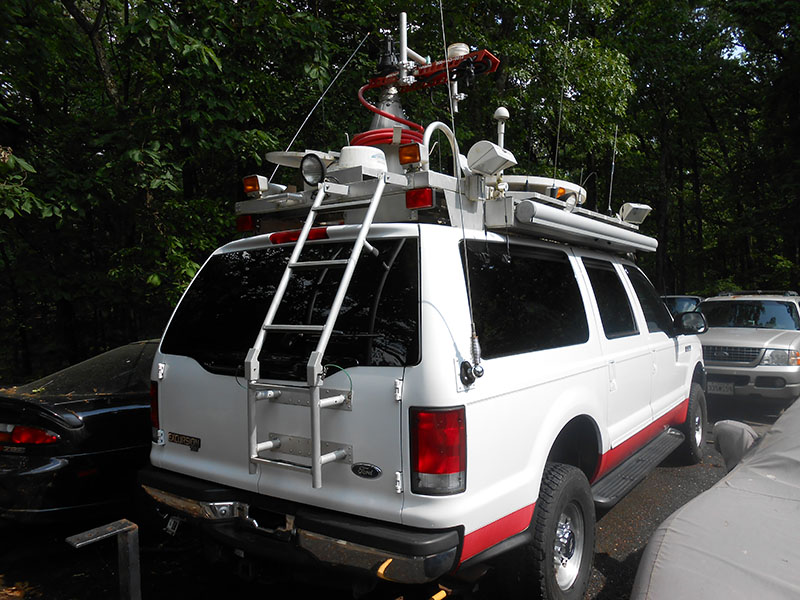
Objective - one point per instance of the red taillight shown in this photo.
(284, 237)
(154, 423)
(22, 434)
(419, 198)
(438, 451)
(245, 223)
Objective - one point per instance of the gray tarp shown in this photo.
(739, 539)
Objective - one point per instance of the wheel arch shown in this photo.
(579, 444)
(699, 375)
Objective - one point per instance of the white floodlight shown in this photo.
(486, 158)
(633, 213)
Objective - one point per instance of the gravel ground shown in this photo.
(36, 563)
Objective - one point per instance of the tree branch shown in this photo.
(92, 30)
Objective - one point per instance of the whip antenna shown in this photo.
(561, 99)
(475, 349)
(611, 182)
(311, 112)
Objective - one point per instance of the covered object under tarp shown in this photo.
(739, 539)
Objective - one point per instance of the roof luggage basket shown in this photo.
(311, 395)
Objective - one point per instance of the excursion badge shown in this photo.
(184, 440)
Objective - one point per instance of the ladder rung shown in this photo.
(337, 206)
(332, 401)
(316, 264)
(330, 457)
(268, 445)
(288, 327)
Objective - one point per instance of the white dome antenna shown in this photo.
(501, 115)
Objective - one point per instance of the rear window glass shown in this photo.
(220, 316)
(765, 314)
(524, 299)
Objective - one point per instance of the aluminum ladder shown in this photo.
(310, 395)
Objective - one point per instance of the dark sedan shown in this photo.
(71, 442)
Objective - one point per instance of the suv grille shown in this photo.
(730, 354)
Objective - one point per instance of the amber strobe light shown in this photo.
(409, 154)
(254, 184)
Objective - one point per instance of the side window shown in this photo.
(655, 312)
(612, 299)
(524, 299)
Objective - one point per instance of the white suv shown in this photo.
(458, 372)
(752, 347)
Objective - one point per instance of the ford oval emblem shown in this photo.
(366, 470)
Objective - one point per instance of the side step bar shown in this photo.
(613, 487)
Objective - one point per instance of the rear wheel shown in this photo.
(557, 563)
(694, 428)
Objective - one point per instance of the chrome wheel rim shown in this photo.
(568, 546)
(698, 430)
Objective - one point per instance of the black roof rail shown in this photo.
(759, 293)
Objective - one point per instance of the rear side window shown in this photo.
(524, 299)
(655, 312)
(612, 300)
(220, 316)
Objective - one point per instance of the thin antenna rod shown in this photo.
(475, 348)
(611, 182)
(561, 99)
(311, 112)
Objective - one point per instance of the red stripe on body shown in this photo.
(496, 532)
(617, 455)
(517, 522)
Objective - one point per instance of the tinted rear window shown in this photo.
(221, 314)
(524, 299)
(766, 314)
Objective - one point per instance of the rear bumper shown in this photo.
(293, 533)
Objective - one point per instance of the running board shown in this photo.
(614, 486)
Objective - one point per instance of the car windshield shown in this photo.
(766, 314)
(220, 315)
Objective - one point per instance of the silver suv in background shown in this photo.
(752, 346)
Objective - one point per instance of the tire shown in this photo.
(557, 563)
(694, 428)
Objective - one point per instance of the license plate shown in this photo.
(720, 387)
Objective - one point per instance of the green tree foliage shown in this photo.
(127, 125)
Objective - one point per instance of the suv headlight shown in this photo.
(780, 358)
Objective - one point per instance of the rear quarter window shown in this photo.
(523, 298)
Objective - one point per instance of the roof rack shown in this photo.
(477, 194)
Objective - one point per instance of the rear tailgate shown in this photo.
(203, 397)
